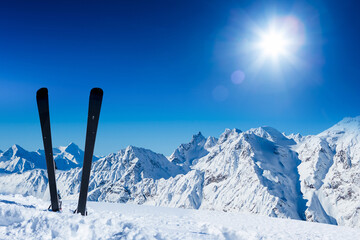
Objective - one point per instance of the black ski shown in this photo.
(43, 107)
(96, 96)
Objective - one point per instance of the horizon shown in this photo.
(172, 69)
(167, 155)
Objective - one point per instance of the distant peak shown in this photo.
(272, 135)
(132, 148)
(347, 125)
(14, 150)
(234, 130)
(137, 151)
(198, 134)
(228, 132)
(129, 148)
(70, 148)
(350, 120)
(197, 137)
(16, 147)
(72, 144)
(267, 129)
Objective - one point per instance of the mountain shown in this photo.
(201, 176)
(185, 154)
(69, 157)
(244, 172)
(330, 173)
(18, 160)
(24, 172)
(118, 176)
(261, 170)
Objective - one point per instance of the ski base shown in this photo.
(95, 101)
(43, 107)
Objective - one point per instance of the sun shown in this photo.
(278, 43)
(274, 44)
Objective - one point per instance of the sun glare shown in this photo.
(278, 42)
(273, 44)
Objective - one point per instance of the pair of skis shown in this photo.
(95, 101)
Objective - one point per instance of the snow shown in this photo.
(28, 218)
(260, 171)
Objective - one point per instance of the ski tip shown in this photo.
(96, 91)
(42, 92)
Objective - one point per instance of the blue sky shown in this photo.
(166, 66)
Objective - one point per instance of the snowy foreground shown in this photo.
(28, 218)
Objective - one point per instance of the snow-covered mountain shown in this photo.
(198, 147)
(262, 171)
(330, 173)
(18, 160)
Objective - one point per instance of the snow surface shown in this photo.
(28, 218)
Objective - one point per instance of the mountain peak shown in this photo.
(227, 133)
(17, 159)
(197, 138)
(15, 149)
(350, 123)
(137, 150)
(272, 135)
(68, 157)
(351, 119)
(71, 146)
(131, 148)
(343, 133)
(187, 152)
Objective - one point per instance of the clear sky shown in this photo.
(167, 69)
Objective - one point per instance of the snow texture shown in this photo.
(28, 218)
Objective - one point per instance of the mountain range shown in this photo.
(261, 171)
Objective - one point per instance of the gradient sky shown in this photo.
(166, 66)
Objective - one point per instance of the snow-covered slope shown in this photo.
(27, 218)
(247, 173)
(330, 173)
(33, 182)
(260, 171)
